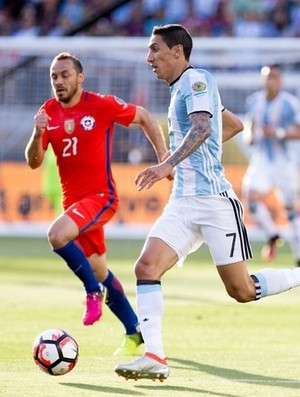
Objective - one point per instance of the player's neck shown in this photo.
(271, 95)
(178, 72)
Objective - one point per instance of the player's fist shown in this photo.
(41, 120)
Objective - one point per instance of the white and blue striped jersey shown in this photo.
(280, 112)
(200, 174)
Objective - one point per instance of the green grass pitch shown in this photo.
(215, 346)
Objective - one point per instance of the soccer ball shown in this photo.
(55, 352)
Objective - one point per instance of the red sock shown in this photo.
(155, 357)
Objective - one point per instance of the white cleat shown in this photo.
(143, 368)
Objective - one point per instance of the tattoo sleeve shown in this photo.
(198, 133)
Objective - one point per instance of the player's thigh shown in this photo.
(258, 177)
(92, 211)
(173, 227)
(155, 259)
(62, 230)
(223, 229)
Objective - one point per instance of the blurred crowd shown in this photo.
(209, 18)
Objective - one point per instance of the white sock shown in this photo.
(150, 311)
(273, 281)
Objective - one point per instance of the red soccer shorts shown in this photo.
(90, 215)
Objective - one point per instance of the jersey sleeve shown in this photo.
(119, 111)
(195, 93)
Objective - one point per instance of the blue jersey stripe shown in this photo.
(202, 172)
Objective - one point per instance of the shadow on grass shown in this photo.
(221, 372)
(236, 375)
(103, 389)
(152, 386)
(225, 373)
(187, 390)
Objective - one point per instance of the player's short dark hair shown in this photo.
(275, 66)
(66, 55)
(173, 34)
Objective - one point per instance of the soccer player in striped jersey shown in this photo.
(273, 115)
(203, 207)
(79, 125)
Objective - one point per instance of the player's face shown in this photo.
(161, 59)
(273, 81)
(65, 81)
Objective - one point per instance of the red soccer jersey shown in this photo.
(82, 137)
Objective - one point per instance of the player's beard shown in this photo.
(66, 96)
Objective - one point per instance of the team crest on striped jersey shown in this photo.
(69, 126)
(199, 86)
(88, 123)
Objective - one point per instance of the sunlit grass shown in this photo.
(215, 347)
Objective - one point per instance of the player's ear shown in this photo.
(81, 77)
(178, 50)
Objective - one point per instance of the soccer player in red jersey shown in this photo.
(79, 126)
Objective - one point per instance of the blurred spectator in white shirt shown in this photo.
(27, 24)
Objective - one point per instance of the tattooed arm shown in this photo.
(197, 134)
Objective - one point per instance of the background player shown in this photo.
(273, 116)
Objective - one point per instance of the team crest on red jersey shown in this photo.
(88, 123)
(69, 126)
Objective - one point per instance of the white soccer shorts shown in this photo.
(263, 176)
(217, 220)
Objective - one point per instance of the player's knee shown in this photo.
(144, 268)
(241, 295)
(55, 238)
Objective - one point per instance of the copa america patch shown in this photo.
(88, 123)
(199, 86)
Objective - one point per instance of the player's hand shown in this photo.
(149, 176)
(41, 121)
(269, 132)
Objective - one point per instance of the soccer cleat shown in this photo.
(93, 309)
(145, 367)
(269, 250)
(129, 345)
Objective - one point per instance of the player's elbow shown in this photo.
(236, 128)
(34, 166)
(239, 126)
(33, 162)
